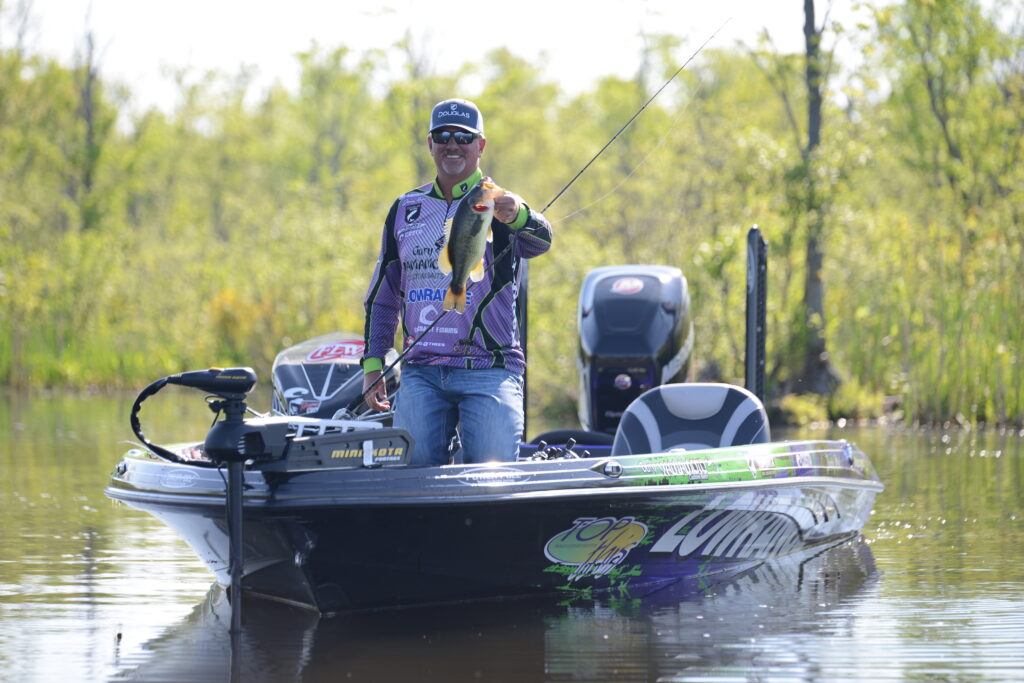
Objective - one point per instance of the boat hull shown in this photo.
(378, 538)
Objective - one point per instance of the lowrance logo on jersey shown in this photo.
(421, 294)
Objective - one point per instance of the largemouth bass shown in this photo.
(466, 236)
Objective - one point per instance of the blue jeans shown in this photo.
(487, 406)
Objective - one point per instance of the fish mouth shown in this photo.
(489, 190)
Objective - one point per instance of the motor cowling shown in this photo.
(320, 376)
(635, 333)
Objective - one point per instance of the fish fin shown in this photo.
(477, 274)
(443, 262)
(453, 301)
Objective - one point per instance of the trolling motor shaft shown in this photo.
(230, 441)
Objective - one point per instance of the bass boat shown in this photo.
(667, 481)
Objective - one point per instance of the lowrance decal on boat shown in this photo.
(492, 476)
(595, 546)
(730, 534)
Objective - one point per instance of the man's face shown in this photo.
(456, 162)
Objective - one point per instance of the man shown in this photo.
(467, 369)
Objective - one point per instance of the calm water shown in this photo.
(90, 591)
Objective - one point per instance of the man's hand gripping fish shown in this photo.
(466, 237)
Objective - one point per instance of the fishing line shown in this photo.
(636, 168)
(638, 112)
(515, 234)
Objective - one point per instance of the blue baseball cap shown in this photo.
(460, 113)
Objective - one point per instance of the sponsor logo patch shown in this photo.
(346, 349)
(423, 258)
(627, 285)
(178, 479)
(431, 294)
(595, 545)
(493, 476)
(302, 406)
(696, 470)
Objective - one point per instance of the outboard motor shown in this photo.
(635, 333)
(321, 376)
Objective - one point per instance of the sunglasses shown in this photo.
(462, 137)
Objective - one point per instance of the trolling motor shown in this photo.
(277, 444)
(274, 444)
(229, 441)
(226, 440)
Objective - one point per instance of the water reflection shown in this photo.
(91, 591)
(683, 630)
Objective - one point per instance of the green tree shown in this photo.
(957, 109)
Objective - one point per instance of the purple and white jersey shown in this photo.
(408, 284)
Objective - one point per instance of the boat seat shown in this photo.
(691, 416)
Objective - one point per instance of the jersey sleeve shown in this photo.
(534, 237)
(383, 302)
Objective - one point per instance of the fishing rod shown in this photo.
(569, 184)
(634, 117)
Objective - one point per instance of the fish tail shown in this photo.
(455, 301)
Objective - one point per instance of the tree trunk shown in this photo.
(818, 374)
(87, 78)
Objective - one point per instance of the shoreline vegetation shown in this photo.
(137, 245)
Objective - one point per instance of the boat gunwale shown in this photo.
(569, 478)
(150, 498)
